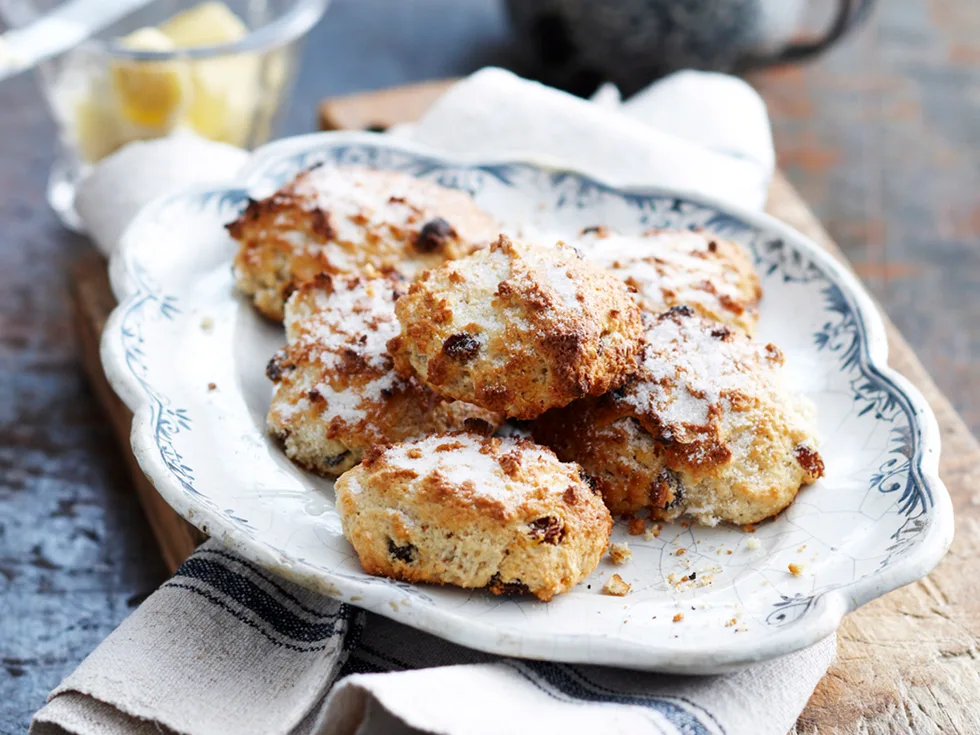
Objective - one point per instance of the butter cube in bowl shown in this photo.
(221, 69)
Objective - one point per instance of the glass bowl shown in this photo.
(224, 70)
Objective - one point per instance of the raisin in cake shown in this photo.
(472, 511)
(336, 392)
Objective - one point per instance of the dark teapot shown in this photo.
(577, 44)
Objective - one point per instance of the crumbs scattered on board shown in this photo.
(651, 533)
(207, 324)
(795, 569)
(212, 386)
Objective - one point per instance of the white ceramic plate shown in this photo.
(878, 520)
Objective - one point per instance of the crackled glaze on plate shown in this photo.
(879, 519)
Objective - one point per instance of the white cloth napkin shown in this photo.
(123, 183)
(694, 131)
(225, 647)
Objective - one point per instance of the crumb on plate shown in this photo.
(620, 553)
(616, 586)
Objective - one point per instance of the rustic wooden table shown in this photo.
(882, 137)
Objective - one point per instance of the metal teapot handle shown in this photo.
(850, 14)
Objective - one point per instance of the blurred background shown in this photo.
(880, 134)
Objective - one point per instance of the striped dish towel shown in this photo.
(225, 647)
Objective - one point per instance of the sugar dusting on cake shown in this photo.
(467, 459)
(697, 379)
(687, 369)
(348, 322)
(665, 267)
(363, 203)
(356, 316)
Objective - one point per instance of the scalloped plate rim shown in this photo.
(829, 608)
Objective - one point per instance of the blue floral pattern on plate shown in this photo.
(880, 519)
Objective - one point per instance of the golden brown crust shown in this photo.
(518, 329)
(346, 220)
(336, 391)
(472, 511)
(704, 428)
(670, 268)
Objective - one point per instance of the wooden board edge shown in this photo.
(382, 108)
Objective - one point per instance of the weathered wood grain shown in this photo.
(909, 661)
(367, 111)
(883, 140)
(880, 137)
(76, 555)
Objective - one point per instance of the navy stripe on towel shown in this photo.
(243, 591)
(569, 681)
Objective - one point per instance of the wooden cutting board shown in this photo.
(907, 663)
